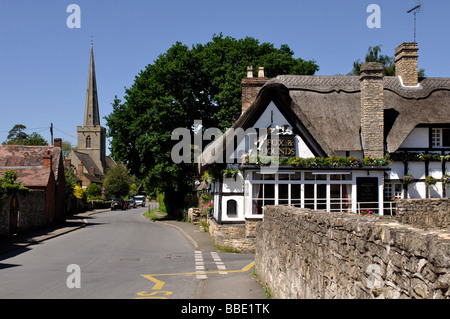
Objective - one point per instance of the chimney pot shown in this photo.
(261, 72)
(249, 72)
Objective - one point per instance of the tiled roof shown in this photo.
(28, 161)
(31, 177)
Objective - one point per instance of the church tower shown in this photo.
(92, 136)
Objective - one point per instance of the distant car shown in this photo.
(118, 203)
(132, 203)
(140, 200)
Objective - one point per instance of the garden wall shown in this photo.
(302, 253)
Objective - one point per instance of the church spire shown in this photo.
(91, 112)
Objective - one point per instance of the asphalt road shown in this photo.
(119, 254)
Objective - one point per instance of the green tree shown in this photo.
(117, 181)
(71, 182)
(186, 84)
(93, 191)
(373, 55)
(17, 136)
(10, 185)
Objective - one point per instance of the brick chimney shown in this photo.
(372, 109)
(57, 142)
(251, 87)
(406, 63)
(80, 169)
(47, 160)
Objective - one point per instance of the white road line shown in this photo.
(219, 264)
(199, 265)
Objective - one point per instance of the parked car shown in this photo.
(118, 203)
(132, 203)
(140, 200)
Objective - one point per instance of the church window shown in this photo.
(88, 142)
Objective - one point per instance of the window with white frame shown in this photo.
(440, 137)
(393, 191)
(318, 191)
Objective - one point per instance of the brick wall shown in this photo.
(302, 253)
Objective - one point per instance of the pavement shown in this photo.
(240, 285)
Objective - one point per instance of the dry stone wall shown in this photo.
(302, 253)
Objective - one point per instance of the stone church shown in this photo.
(89, 161)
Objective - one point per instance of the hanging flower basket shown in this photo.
(430, 180)
(445, 180)
(408, 179)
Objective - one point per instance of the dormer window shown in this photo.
(440, 137)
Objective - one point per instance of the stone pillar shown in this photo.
(372, 109)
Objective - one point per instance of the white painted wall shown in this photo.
(397, 171)
(233, 185)
(417, 138)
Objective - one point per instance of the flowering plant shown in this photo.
(408, 179)
(430, 180)
(205, 203)
(445, 179)
(366, 212)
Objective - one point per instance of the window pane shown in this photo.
(335, 177)
(269, 191)
(321, 196)
(446, 137)
(283, 194)
(309, 176)
(295, 177)
(283, 177)
(269, 177)
(321, 177)
(295, 191)
(309, 196)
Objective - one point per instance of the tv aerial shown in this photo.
(415, 10)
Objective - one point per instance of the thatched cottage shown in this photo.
(343, 143)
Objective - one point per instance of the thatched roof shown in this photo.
(329, 108)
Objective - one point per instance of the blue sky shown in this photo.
(44, 64)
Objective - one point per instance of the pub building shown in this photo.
(341, 143)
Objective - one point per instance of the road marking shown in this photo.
(200, 265)
(219, 263)
(160, 284)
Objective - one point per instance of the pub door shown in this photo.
(367, 193)
(14, 216)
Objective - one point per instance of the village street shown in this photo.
(122, 254)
